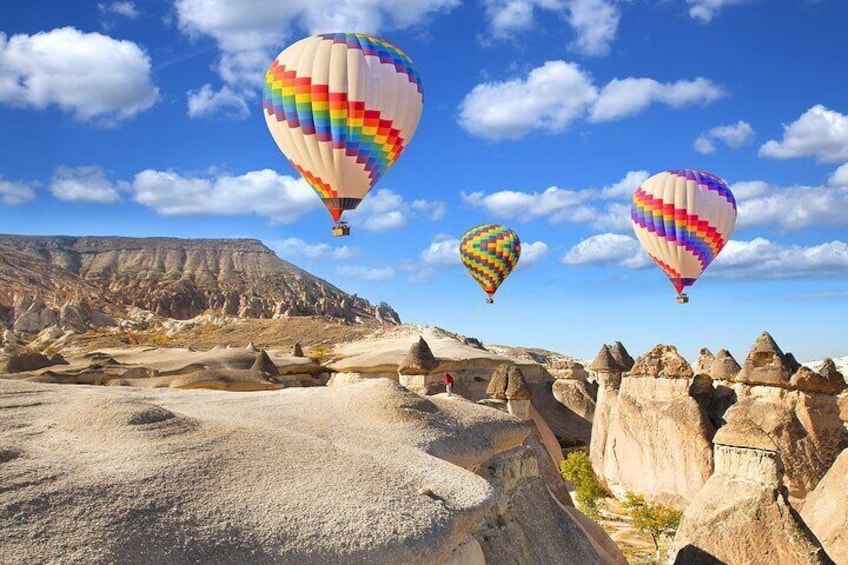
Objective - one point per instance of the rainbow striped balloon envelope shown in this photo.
(342, 108)
(683, 219)
(490, 252)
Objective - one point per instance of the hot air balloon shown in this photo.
(342, 107)
(683, 219)
(490, 253)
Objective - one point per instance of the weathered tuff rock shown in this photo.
(174, 278)
(27, 361)
(806, 428)
(608, 374)
(826, 510)
(658, 441)
(264, 364)
(579, 396)
(424, 480)
(766, 364)
(705, 361)
(605, 362)
(807, 380)
(297, 350)
(724, 367)
(621, 356)
(742, 516)
(419, 360)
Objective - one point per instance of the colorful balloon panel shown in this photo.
(683, 219)
(342, 107)
(490, 253)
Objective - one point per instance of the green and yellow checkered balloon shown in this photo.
(490, 253)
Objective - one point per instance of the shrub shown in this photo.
(653, 519)
(577, 469)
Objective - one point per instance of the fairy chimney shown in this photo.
(743, 450)
(607, 369)
(724, 367)
(508, 383)
(297, 350)
(621, 356)
(766, 364)
(419, 360)
(705, 361)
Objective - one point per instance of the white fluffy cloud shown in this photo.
(595, 206)
(90, 75)
(14, 193)
(595, 22)
(85, 184)
(371, 274)
(557, 94)
(296, 247)
(608, 249)
(706, 10)
(248, 33)
(265, 193)
(819, 132)
(207, 102)
(734, 136)
(621, 98)
(385, 210)
(124, 9)
(442, 252)
(755, 259)
(532, 253)
(791, 208)
(839, 176)
(549, 99)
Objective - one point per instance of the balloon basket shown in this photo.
(683, 299)
(490, 300)
(341, 229)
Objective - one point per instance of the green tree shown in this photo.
(577, 469)
(654, 519)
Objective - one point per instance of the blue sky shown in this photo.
(143, 119)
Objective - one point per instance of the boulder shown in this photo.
(419, 360)
(826, 510)
(766, 364)
(742, 516)
(24, 362)
(807, 380)
(830, 371)
(579, 396)
(662, 361)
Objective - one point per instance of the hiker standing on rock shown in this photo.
(448, 383)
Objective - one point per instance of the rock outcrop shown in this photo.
(26, 361)
(742, 516)
(705, 361)
(297, 350)
(826, 510)
(508, 383)
(419, 360)
(807, 380)
(724, 367)
(659, 437)
(766, 364)
(621, 356)
(263, 364)
(608, 374)
(195, 476)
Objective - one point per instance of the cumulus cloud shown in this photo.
(90, 75)
(755, 259)
(608, 249)
(371, 274)
(296, 247)
(595, 206)
(706, 10)
(621, 98)
(839, 176)
(791, 208)
(265, 193)
(532, 253)
(386, 210)
(85, 184)
(443, 251)
(248, 33)
(819, 132)
(734, 136)
(552, 97)
(124, 9)
(15, 193)
(595, 22)
(207, 102)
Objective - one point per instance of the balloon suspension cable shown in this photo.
(341, 229)
(682, 298)
(490, 300)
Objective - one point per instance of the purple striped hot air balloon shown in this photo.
(683, 219)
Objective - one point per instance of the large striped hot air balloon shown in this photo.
(342, 107)
(490, 253)
(683, 219)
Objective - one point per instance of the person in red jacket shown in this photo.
(448, 383)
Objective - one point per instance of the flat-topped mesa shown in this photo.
(766, 364)
(662, 361)
(705, 361)
(419, 359)
(606, 368)
(724, 367)
(621, 356)
(807, 380)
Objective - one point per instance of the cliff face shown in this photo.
(178, 278)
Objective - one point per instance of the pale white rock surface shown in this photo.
(826, 510)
